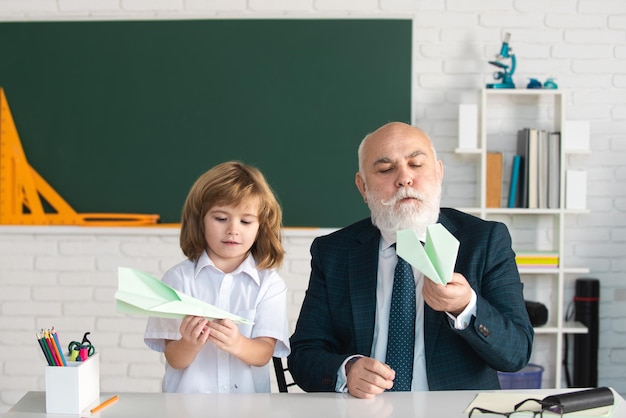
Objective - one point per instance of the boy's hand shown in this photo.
(225, 334)
(194, 331)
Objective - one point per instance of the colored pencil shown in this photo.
(44, 348)
(58, 346)
(104, 404)
(48, 339)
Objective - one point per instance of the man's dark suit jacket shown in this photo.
(338, 312)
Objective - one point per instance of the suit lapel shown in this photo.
(362, 271)
(445, 221)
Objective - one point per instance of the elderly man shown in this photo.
(463, 332)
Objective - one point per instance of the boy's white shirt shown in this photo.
(258, 295)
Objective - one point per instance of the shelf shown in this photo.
(553, 270)
(523, 92)
(478, 151)
(567, 328)
(524, 211)
(537, 270)
(500, 121)
(574, 328)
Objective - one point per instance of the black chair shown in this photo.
(280, 369)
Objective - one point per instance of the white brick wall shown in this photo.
(66, 277)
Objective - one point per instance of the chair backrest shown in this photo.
(280, 369)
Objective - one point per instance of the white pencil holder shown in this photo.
(72, 388)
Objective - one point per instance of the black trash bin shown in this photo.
(586, 306)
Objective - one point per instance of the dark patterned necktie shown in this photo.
(401, 340)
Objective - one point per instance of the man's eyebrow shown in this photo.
(383, 160)
(416, 154)
(387, 160)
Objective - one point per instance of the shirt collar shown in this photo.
(386, 245)
(248, 267)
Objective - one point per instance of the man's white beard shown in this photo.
(391, 216)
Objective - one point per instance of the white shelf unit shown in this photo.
(502, 113)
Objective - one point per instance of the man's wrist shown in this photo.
(462, 319)
(350, 363)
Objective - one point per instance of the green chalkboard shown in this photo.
(123, 116)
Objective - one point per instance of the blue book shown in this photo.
(514, 180)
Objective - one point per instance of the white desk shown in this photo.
(277, 405)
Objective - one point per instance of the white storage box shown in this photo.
(71, 389)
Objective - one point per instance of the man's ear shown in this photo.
(440, 165)
(360, 184)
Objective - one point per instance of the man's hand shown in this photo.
(452, 298)
(368, 377)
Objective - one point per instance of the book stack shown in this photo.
(537, 259)
(536, 171)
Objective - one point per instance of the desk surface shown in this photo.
(278, 405)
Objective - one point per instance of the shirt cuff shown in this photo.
(462, 321)
(342, 379)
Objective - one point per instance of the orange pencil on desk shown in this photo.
(104, 404)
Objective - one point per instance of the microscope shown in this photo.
(506, 73)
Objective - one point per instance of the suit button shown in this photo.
(484, 330)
